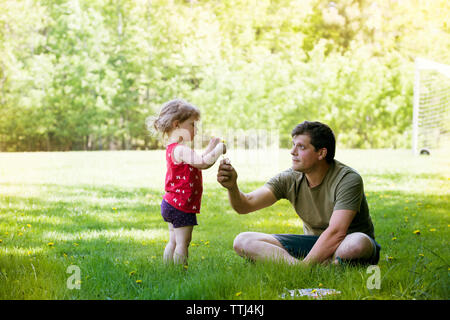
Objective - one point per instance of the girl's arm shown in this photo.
(185, 154)
(212, 144)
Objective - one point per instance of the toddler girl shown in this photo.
(183, 184)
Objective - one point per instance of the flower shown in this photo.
(1, 240)
(138, 281)
(29, 225)
(50, 244)
(132, 273)
(416, 232)
(238, 293)
(432, 230)
(394, 238)
(421, 255)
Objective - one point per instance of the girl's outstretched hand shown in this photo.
(213, 143)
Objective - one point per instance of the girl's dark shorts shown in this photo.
(177, 217)
(299, 246)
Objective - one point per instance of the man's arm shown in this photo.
(332, 237)
(243, 203)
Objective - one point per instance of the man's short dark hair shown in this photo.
(321, 136)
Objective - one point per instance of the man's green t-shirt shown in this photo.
(341, 189)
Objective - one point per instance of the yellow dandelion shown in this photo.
(132, 273)
(65, 255)
(29, 225)
(394, 238)
(406, 208)
(20, 234)
(203, 257)
(206, 242)
(1, 240)
(29, 252)
(390, 258)
(432, 229)
(314, 291)
(185, 266)
(115, 209)
(50, 244)
(6, 233)
(320, 285)
(76, 244)
(238, 293)
(138, 281)
(416, 232)
(421, 255)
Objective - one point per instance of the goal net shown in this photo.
(431, 107)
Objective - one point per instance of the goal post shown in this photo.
(431, 106)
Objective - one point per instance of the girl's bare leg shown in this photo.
(170, 247)
(183, 237)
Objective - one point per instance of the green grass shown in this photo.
(100, 212)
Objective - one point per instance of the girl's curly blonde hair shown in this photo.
(171, 111)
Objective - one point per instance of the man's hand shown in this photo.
(226, 174)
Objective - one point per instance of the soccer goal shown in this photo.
(431, 107)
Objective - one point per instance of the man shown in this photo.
(327, 195)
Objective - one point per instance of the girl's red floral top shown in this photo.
(184, 184)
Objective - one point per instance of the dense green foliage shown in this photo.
(83, 75)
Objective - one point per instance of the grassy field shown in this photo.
(100, 212)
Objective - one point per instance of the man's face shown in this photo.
(304, 155)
